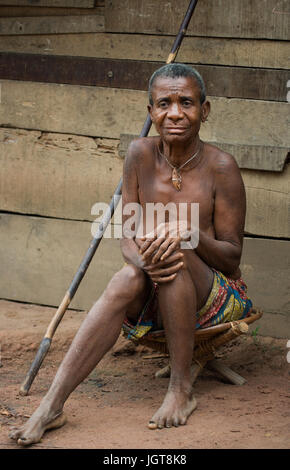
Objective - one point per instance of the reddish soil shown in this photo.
(111, 408)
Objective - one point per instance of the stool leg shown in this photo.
(226, 372)
(163, 373)
(196, 368)
(195, 371)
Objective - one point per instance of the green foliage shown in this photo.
(254, 334)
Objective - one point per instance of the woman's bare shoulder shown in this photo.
(142, 144)
(221, 161)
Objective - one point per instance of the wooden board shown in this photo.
(11, 11)
(198, 50)
(265, 268)
(274, 325)
(257, 157)
(56, 175)
(109, 112)
(225, 18)
(50, 3)
(232, 82)
(268, 203)
(51, 25)
(246, 122)
(80, 171)
(40, 256)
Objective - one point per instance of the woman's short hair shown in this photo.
(177, 70)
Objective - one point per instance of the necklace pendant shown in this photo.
(176, 179)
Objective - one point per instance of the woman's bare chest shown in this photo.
(196, 194)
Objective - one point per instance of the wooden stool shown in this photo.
(207, 341)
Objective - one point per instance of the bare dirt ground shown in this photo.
(111, 408)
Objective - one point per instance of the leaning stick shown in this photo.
(46, 341)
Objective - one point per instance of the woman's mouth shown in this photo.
(175, 130)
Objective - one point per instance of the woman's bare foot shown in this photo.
(175, 410)
(32, 431)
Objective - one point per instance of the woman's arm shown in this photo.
(224, 251)
(129, 248)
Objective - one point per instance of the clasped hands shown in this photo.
(160, 251)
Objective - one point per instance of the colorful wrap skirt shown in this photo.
(227, 301)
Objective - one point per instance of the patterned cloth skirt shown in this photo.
(227, 301)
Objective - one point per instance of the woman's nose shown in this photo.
(174, 111)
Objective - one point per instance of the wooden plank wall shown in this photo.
(73, 81)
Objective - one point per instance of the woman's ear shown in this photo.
(149, 107)
(205, 110)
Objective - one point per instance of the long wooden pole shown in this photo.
(46, 341)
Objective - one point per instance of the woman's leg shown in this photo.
(97, 334)
(179, 300)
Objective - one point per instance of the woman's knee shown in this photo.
(190, 259)
(133, 278)
(126, 283)
(193, 268)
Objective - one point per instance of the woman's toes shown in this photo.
(176, 421)
(152, 425)
(22, 441)
(183, 421)
(14, 433)
(168, 423)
